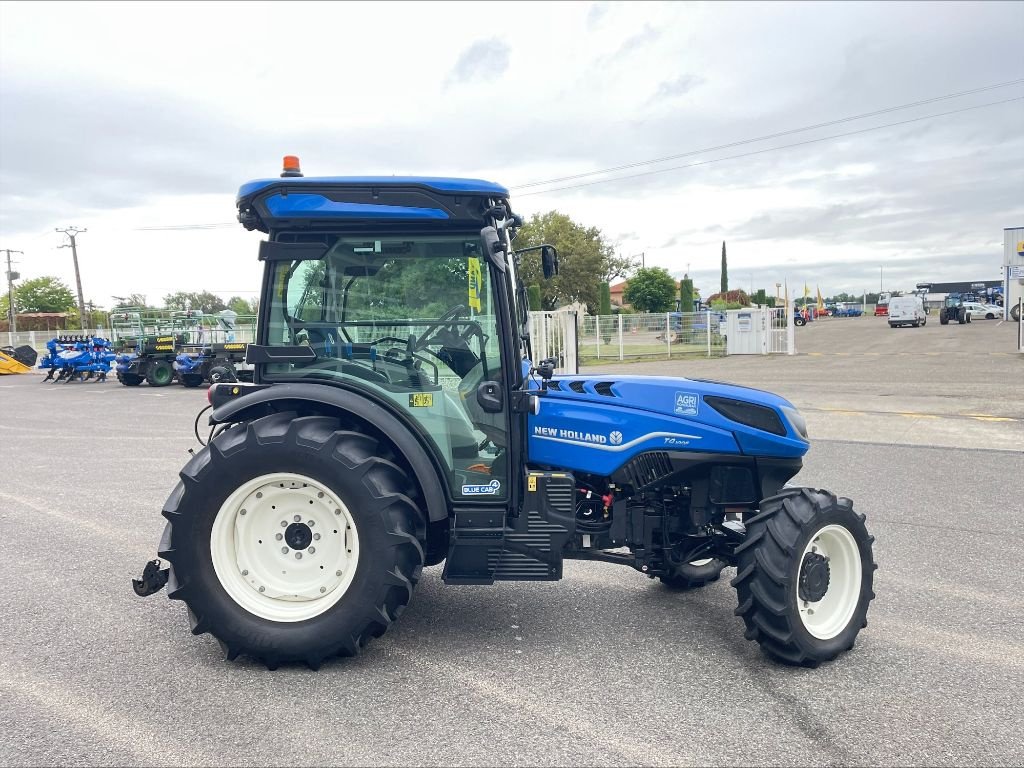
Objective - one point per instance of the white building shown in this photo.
(1013, 265)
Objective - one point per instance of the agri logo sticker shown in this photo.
(686, 404)
(615, 438)
(481, 490)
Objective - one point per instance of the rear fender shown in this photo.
(254, 401)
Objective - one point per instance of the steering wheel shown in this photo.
(447, 318)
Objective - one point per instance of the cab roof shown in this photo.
(434, 183)
(296, 202)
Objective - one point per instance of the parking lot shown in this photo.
(923, 428)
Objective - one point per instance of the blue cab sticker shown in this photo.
(489, 489)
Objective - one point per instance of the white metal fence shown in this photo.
(650, 335)
(554, 335)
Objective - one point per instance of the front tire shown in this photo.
(804, 576)
(326, 494)
(160, 374)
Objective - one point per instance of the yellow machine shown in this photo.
(18, 360)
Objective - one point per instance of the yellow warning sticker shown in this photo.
(476, 277)
(421, 400)
(531, 484)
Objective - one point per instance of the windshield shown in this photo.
(413, 318)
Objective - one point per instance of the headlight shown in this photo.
(796, 421)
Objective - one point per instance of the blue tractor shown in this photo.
(397, 420)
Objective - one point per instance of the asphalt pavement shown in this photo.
(603, 668)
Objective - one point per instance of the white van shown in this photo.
(906, 310)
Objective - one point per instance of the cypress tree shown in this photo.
(686, 295)
(725, 271)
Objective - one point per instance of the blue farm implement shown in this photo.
(77, 358)
(397, 419)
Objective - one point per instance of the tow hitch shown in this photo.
(153, 579)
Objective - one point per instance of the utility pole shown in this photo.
(72, 232)
(11, 277)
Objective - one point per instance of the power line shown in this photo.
(185, 227)
(770, 149)
(769, 136)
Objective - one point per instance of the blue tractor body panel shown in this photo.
(579, 427)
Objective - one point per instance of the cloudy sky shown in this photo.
(130, 117)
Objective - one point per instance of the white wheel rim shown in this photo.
(256, 547)
(699, 563)
(827, 617)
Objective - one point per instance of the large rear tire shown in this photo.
(292, 540)
(1015, 313)
(943, 317)
(129, 379)
(804, 576)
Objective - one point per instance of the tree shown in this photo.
(725, 271)
(533, 295)
(686, 295)
(132, 300)
(730, 299)
(44, 294)
(605, 301)
(651, 289)
(586, 259)
(243, 307)
(203, 300)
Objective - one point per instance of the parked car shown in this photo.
(907, 310)
(987, 311)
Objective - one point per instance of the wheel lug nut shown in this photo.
(320, 495)
(263, 589)
(316, 537)
(298, 555)
(322, 590)
(242, 512)
(297, 518)
(312, 550)
(337, 573)
(337, 511)
(311, 523)
(245, 573)
(284, 523)
(259, 495)
(284, 550)
(278, 536)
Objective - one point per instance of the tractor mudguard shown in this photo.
(254, 400)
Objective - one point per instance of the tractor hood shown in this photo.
(621, 416)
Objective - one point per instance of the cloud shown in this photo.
(679, 86)
(596, 13)
(484, 60)
(637, 42)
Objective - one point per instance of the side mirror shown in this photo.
(549, 261)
